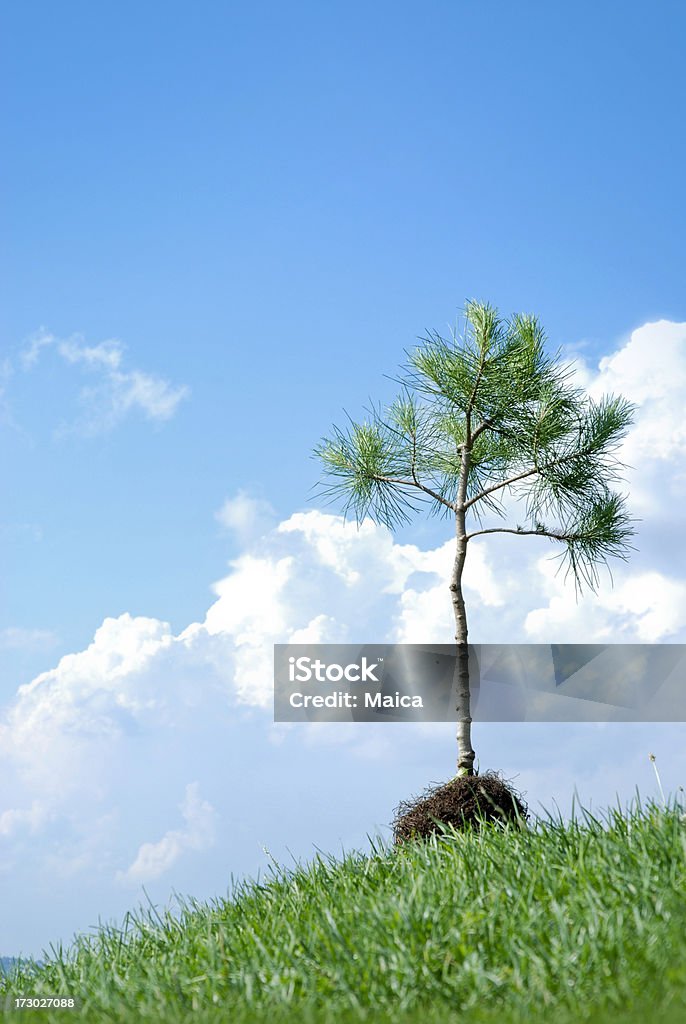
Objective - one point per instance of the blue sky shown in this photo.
(224, 224)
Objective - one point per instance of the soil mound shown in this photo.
(464, 802)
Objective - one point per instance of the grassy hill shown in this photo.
(581, 921)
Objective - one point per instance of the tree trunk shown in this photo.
(465, 752)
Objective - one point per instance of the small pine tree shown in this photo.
(482, 416)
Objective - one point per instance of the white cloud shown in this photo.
(426, 613)
(14, 820)
(245, 516)
(53, 731)
(317, 631)
(154, 859)
(18, 637)
(34, 346)
(360, 586)
(654, 604)
(155, 397)
(642, 607)
(366, 554)
(69, 725)
(650, 366)
(116, 392)
(647, 603)
(108, 354)
(650, 370)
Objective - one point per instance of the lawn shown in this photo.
(581, 920)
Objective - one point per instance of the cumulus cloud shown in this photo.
(154, 859)
(312, 578)
(643, 607)
(650, 370)
(245, 516)
(137, 679)
(647, 603)
(654, 604)
(115, 391)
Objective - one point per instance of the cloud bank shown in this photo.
(141, 702)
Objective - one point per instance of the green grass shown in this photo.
(563, 921)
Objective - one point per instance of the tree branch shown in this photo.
(529, 472)
(499, 486)
(523, 533)
(418, 485)
(484, 425)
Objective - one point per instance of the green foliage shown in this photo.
(492, 411)
(567, 921)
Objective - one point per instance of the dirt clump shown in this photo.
(464, 802)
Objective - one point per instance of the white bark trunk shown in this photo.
(465, 751)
